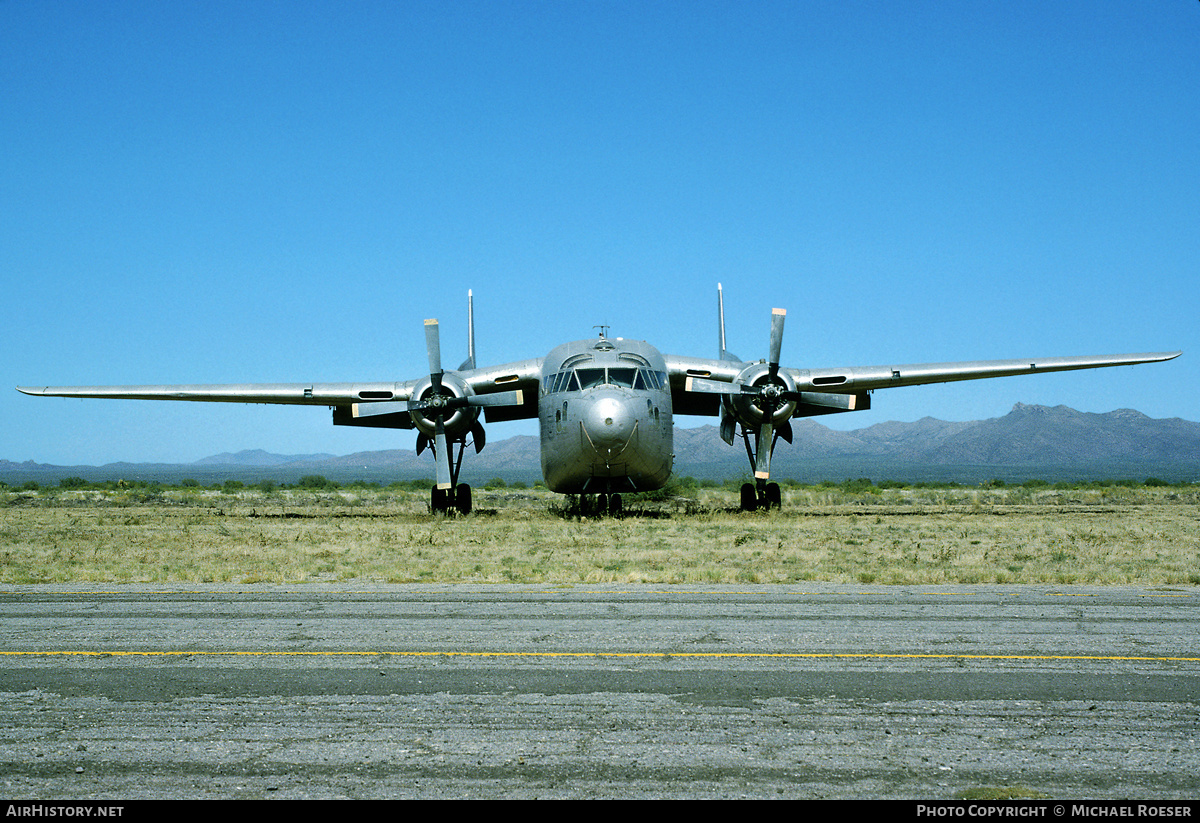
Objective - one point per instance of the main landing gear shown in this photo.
(448, 495)
(456, 498)
(767, 497)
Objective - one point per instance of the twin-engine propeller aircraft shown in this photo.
(605, 406)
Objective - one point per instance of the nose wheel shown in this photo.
(610, 506)
(603, 504)
(600, 505)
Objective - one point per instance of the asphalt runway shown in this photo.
(816, 691)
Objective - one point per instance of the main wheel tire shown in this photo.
(438, 500)
(462, 498)
(749, 497)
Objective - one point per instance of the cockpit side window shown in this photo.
(652, 379)
(565, 381)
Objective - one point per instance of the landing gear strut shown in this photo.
(457, 497)
(761, 494)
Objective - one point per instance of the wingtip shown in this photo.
(1164, 356)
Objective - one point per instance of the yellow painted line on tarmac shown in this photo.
(662, 655)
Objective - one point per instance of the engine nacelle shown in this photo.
(747, 409)
(459, 421)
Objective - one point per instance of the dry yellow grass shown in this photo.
(1114, 536)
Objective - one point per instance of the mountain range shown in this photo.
(1051, 443)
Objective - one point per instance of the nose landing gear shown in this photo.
(609, 504)
(597, 505)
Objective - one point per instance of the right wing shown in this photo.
(860, 379)
(869, 378)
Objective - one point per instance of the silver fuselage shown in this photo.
(605, 413)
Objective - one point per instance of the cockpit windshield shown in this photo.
(623, 377)
(591, 377)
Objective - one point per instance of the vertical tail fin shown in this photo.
(469, 363)
(720, 321)
(722, 353)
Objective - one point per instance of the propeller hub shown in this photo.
(443, 401)
(764, 397)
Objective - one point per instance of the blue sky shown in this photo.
(209, 192)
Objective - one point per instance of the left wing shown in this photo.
(299, 394)
(523, 375)
(445, 406)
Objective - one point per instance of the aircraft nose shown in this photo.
(608, 425)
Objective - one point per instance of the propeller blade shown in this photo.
(705, 385)
(433, 348)
(504, 398)
(841, 402)
(777, 318)
(762, 457)
(442, 455)
(380, 407)
(728, 428)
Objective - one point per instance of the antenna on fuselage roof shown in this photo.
(603, 331)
